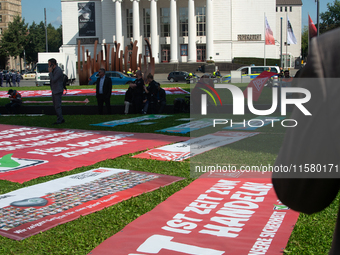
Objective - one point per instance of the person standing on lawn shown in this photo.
(137, 93)
(103, 91)
(56, 84)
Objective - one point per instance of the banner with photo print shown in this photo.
(31, 210)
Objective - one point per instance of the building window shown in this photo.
(200, 21)
(280, 8)
(0, 6)
(0, 18)
(276, 8)
(129, 23)
(183, 21)
(0, 31)
(285, 8)
(146, 18)
(147, 52)
(290, 8)
(165, 22)
(184, 49)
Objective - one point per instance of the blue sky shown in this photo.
(33, 10)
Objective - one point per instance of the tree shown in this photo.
(19, 37)
(14, 38)
(54, 37)
(304, 42)
(331, 18)
(36, 42)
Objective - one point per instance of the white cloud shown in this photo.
(57, 22)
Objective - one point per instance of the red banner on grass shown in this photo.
(211, 216)
(84, 92)
(190, 148)
(30, 210)
(258, 84)
(30, 152)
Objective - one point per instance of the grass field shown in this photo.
(312, 233)
(266, 96)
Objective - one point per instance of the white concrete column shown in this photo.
(173, 32)
(209, 30)
(153, 33)
(136, 24)
(191, 32)
(118, 13)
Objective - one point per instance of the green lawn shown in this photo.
(312, 234)
(226, 97)
(115, 100)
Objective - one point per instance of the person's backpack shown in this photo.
(65, 80)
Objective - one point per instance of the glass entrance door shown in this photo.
(165, 53)
(200, 52)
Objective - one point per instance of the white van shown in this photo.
(252, 71)
(256, 70)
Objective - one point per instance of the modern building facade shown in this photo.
(183, 31)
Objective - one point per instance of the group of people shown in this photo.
(284, 74)
(142, 99)
(57, 84)
(145, 99)
(11, 78)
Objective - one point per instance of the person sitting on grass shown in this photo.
(150, 92)
(161, 99)
(15, 101)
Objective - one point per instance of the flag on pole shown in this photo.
(258, 84)
(269, 37)
(291, 39)
(312, 29)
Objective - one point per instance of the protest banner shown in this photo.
(30, 152)
(211, 216)
(183, 150)
(30, 210)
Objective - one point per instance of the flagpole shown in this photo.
(286, 41)
(308, 33)
(281, 45)
(264, 51)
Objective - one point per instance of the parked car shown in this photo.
(29, 75)
(178, 76)
(117, 78)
